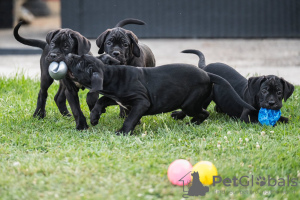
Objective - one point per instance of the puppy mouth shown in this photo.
(274, 108)
(54, 59)
(271, 107)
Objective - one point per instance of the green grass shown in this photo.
(49, 159)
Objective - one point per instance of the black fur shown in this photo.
(146, 91)
(58, 44)
(123, 45)
(260, 92)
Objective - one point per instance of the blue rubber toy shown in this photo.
(268, 117)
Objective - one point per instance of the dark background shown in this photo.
(187, 18)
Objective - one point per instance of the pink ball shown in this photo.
(178, 169)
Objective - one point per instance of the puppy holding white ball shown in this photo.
(58, 70)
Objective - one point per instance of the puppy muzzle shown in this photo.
(54, 57)
(272, 105)
(120, 57)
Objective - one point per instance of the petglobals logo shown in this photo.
(198, 189)
(250, 181)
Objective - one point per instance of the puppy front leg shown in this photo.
(283, 119)
(73, 99)
(60, 100)
(136, 113)
(99, 108)
(178, 115)
(249, 116)
(91, 99)
(46, 81)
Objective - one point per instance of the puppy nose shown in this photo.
(53, 55)
(271, 102)
(116, 53)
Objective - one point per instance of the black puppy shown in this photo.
(123, 45)
(260, 92)
(59, 43)
(147, 91)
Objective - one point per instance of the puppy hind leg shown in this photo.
(208, 100)
(180, 115)
(194, 109)
(46, 82)
(199, 115)
(193, 105)
(60, 100)
(249, 116)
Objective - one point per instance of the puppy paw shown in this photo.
(283, 120)
(118, 133)
(67, 114)
(82, 126)
(39, 114)
(178, 115)
(121, 132)
(94, 117)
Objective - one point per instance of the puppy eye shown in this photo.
(108, 43)
(264, 91)
(279, 93)
(125, 45)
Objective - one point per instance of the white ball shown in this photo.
(58, 71)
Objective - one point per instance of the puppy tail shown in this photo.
(224, 83)
(201, 63)
(129, 21)
(30, 42)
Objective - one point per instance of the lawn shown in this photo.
(49, 159)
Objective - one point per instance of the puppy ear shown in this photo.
(96, 82)
(83, 44)
(101, 40)
(51, 34)
(288, 89)
(254, 84)
(134, 41)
